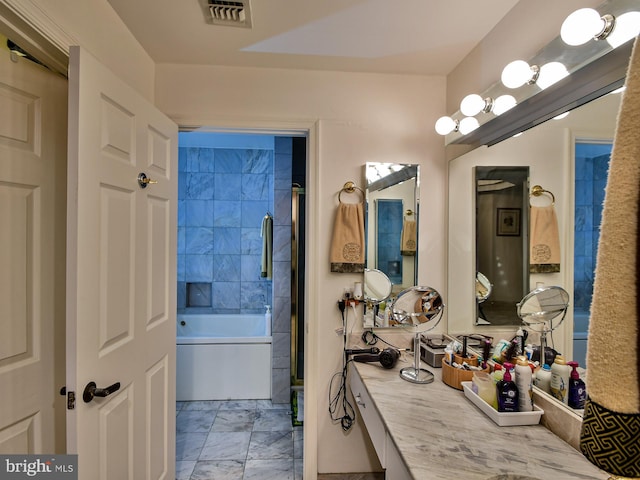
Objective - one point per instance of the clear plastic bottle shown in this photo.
(524, 383)
(543, 378)
(560, 373)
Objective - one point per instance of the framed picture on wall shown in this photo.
(508, 222)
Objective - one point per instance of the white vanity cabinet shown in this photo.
(386, 450)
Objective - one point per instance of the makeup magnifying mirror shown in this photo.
(543, 310)
(418, 309)
(483, 291)
(377, 286)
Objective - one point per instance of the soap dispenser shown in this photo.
(507, 391)
(577, 389)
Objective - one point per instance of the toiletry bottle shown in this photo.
(560, 373)
(498, 373)
(267, 316)
(577, 389)
(507, 391)
(543, 378)
(524, 383)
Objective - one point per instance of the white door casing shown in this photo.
(121, 277)
(32, 166)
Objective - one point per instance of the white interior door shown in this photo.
(33, 106)
(121, 278)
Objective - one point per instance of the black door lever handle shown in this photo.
(91, 390)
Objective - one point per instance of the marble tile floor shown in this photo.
(237, 440)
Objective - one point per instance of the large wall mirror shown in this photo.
(392, 221)
(568, 157)
(502, 241)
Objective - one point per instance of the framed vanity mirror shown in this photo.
(391, 219)
(567, 157)
(502, 241)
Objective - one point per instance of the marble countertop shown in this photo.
(440, 434)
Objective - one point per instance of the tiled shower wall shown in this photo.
(223, 195)
(592, 166)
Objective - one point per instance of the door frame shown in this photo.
(311, 130)
(24, 21)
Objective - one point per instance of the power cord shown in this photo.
(369, 338)
(340, 398)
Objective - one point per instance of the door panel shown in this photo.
(32, 160)
(122, 276)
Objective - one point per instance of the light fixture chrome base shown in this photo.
(416, 375)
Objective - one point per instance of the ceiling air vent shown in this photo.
(233, 14)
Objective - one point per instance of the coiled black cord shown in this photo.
(370, 338)
(340, 398)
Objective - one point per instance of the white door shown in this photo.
(33, 121)
(121, 278)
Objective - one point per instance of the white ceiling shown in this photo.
(428, 37)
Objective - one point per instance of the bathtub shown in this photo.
(223, 357)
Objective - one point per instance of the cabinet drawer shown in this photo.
(369, 415)
(395, 469)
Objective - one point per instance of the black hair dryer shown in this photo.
(387, 357)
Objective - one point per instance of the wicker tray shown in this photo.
(455, 376)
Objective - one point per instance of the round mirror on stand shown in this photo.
(418, 309)
(483, 291)
(377, 286)
(543, 310)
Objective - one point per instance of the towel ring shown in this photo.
(537, 190)
(350, 187)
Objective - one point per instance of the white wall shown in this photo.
(95, 26)
(358, 118)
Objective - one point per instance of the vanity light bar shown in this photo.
(620, 24)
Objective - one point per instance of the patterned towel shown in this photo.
(347, 246)
(610, 436)
(545, 241)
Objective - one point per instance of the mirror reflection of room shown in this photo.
(502, 241)
(392, 222)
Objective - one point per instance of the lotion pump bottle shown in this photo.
(560, 373)
(543, 378)
(507, 391)
(577, 389)
(524, 383)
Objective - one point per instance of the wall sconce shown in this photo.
(519, 73)
(473, 104)
(586, 24)
(503, 103)
(446, 125)
(468, 125)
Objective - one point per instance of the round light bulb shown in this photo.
(445, 125)
(581, 26)
(516, 74)
(551, 73)
(503, 103)
(472, 105)
(627, 26)
(468, 125)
